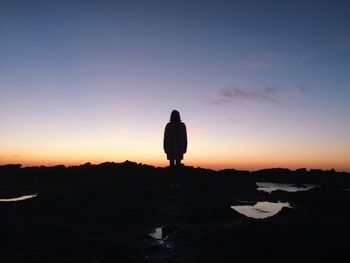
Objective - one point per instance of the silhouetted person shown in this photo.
(175, 139)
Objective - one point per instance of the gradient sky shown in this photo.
(258, 83)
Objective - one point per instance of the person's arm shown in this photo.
(165, 140)
(185, 139)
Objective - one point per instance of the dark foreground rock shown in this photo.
(106, 212)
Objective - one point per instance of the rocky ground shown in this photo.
(106, 212)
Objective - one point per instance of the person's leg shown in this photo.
(172, 162)
(178, 177)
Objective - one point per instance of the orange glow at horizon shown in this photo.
(210, 149)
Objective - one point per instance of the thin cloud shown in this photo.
(30, 102)
(270, 90)
(251, 64)
(122, 134)
(342, 42)
(236, 95)
(194, 130)
(302, 88)
(218, 102)
(275, 57)
(234, 120)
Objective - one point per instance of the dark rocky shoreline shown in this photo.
(106, 212)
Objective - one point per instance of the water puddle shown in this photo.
(157, 233)
(260, 209)
(270, 187)
(16, 199)
(160, 238)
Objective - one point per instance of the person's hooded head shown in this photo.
(175, 116)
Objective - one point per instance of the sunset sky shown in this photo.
(258, 84)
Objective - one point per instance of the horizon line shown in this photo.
(158, 166)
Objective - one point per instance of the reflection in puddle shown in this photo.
(260, 209)
(161, 239)
(157, 233)
(270, 187)
(21, 198)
